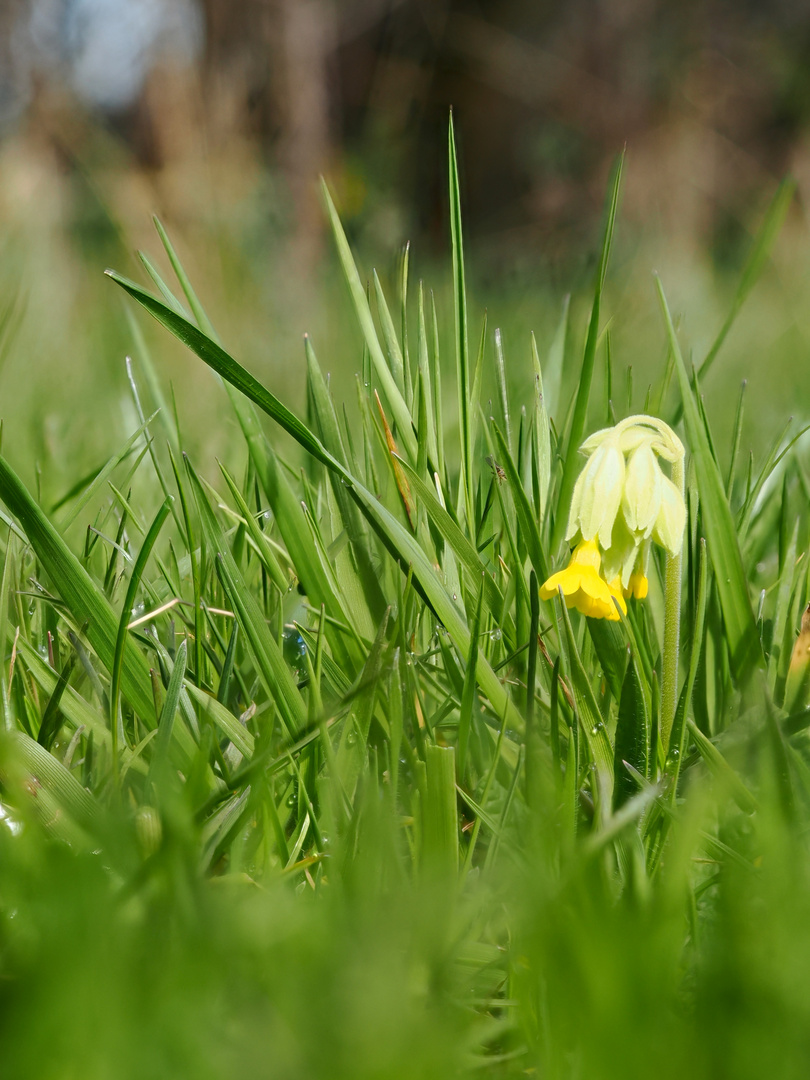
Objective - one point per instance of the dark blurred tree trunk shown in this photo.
(308, 35)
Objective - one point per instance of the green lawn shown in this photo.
(302, 778)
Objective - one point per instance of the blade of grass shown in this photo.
(580, 416)
(721, 535)
(123, 622)
(465, 404)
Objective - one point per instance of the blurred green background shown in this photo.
(219, 117)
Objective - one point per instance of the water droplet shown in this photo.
(595, 730)
(351, 738)
(455, 597)
(291, 800)
(496, 634)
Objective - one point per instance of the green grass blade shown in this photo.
(263, 549)
(468, 693)
(126, 615)
(503, 394)
(223, 719)
(587, 708)
(395, 358)
(160, 754)
(224, 365)
(579, 419)
(450, 532)
(525, 514)
(721, 535)
(463, 382)
(102, 475)
(632, 735)
(270, 664)
(52, 776)
(84, 599)
(392, 392)
(440, 814)
(542, 435)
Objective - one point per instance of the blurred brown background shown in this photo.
(220, 114)
(253, 98)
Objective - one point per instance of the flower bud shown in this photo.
(669, 525)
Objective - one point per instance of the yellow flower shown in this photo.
(637, 585)
(582, 586)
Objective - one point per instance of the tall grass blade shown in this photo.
(580, 416)
(721, 535)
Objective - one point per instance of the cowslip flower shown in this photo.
(582, 585)
(622, 503)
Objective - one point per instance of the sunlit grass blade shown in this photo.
(542, 436)
(382, 371)
(395, 358)
(463, 380)
(721, 535)
(580, 415)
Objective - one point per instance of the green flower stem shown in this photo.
(672, 626)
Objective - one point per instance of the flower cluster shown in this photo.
(621, 503)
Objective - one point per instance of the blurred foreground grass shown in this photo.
(299, 776)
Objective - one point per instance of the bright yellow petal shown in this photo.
(638, 586)
(567, 580)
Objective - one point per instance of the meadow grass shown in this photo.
(300, 777)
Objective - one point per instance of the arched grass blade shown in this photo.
(217, 359)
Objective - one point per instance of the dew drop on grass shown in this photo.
(496, 634)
